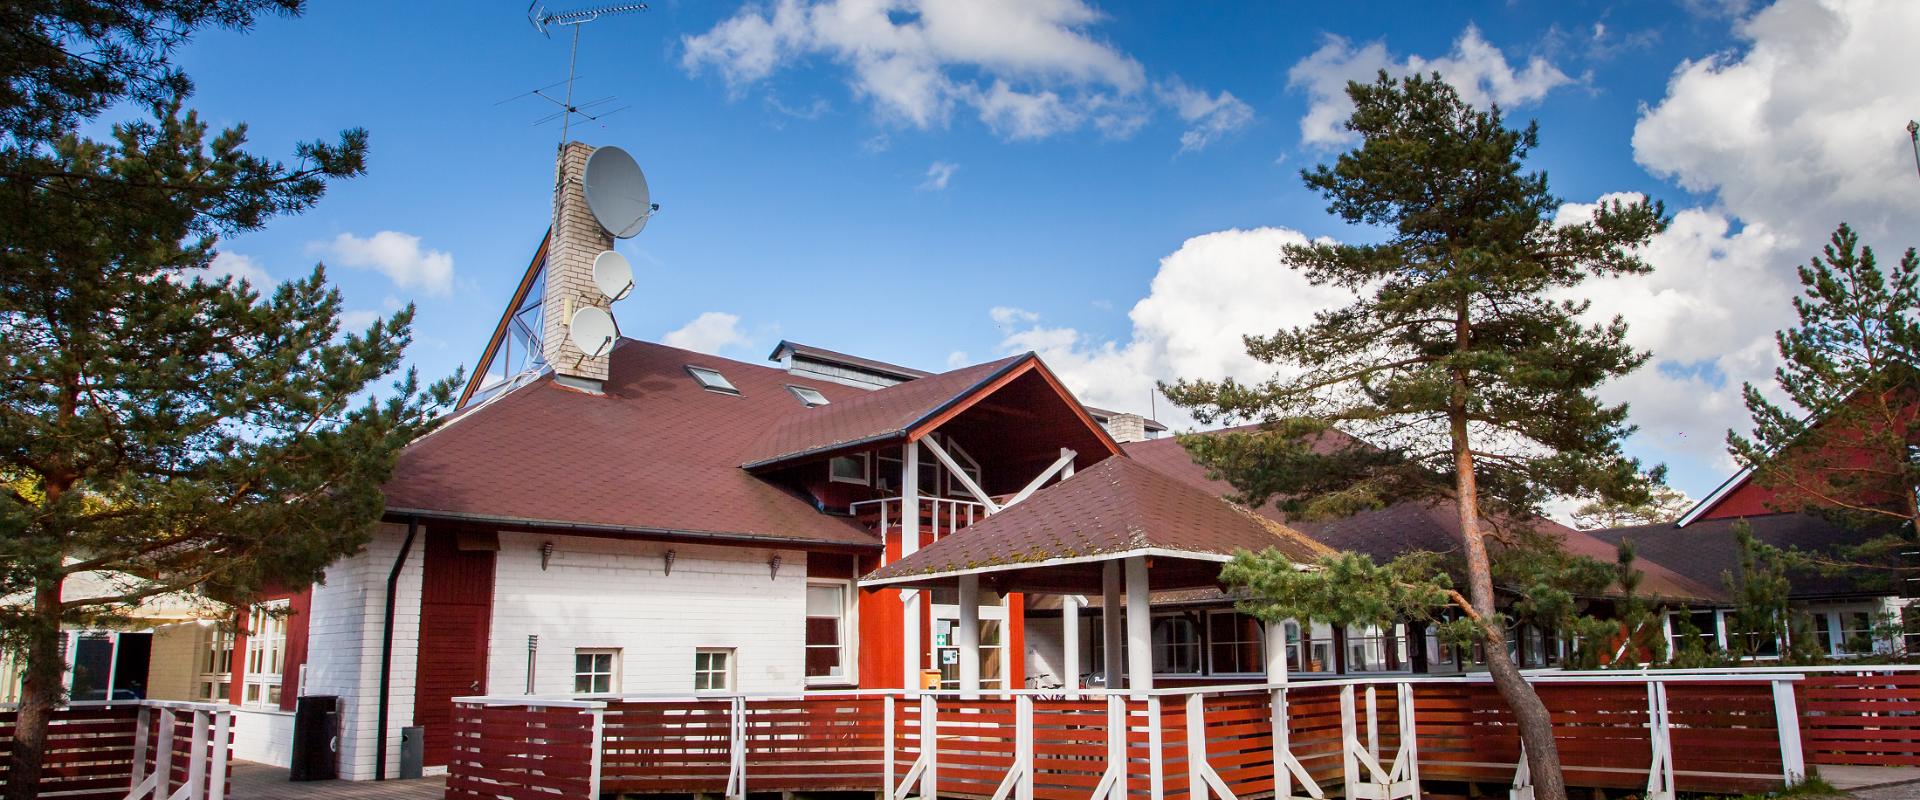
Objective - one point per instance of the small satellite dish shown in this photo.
(613, 275)
(593, 331)
(617, 192)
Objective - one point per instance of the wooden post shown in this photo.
(1111, 632)
(1786, 715)
(1156, 751)
(1139, 626)
(1277, 676)
(163, 756)
(222, 747)
(886, 747)
(140, 747)
(910, 649)
(1660, 773)
(930, 747)
(1349, 735)
(969, 637)
(1023, 745)
(1070, 644)
(1196, 748)
(599, 750)
(1117, 745)
(1410, 736)
(197, 758)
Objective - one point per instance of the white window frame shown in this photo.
(266, 654)
(718, 384)
(213, 681)
(612, 674)
(802, 392)
(728, 671)
(1719, 628)
(848, 607)
(1260, 638)
(866, 469)
(1200, 641)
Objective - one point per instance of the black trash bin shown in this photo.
(316, 739)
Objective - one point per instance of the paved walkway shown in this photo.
(261, 782)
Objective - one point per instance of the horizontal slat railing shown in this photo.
(1371, 738)
(124, 750)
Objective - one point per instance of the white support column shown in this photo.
(1116, 746)
(599, 749)
(930, 746)
(1156, 751)
(1197, 748)
(141, 748)
(1349, 741)
(887, 746)
(163, 756)
(1112, 634)
(969, 637)
(1070, 644)
(1786, 715)
(1023, 746)
(911, 599)
(197, 759)
(1410, 737)
(1139, 626)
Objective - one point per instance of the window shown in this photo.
(266, 653)
(826, 632)
(1176, 645)
(712, 380)
(1702, 625)
(1375, 649)
(1236, 644)
(596, 671)
(1856, 632)
(848, 469)
(713, 670)
(809, 396)
(216, 664)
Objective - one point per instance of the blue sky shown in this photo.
(1117, 176)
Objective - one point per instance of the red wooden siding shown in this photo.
(520, 753)
(456, 605)
(1867, 720)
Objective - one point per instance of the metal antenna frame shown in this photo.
(1913, 132)
(542, 19)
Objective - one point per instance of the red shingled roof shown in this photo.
(1116, 506)
(1408, 527)
(655, 455)
(874, 416)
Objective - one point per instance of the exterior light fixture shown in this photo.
(669, 560)
(546, 554)
(773, 566)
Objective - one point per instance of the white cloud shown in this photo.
(1477, 69)
(357, 321)
(1209, 117)
(397, 255)
(710, 333)
(233, 265)
(1215, 289)
(958, 359)
(939, 173)
(1028, 69)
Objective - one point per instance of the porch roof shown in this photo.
(1118, 508)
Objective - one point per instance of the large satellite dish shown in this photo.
(617, 192)
(613, 275)
(593, 331)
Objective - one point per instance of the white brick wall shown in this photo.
(612, 593)
(263, 736)
(343, 647)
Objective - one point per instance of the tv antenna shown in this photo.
(543, 21)
(1913, 132)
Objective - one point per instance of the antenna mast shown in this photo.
(542, 20)
(1913, 132)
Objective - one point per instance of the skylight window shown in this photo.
(712, 380)
(809, 397)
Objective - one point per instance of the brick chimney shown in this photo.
(571, 247)
(1127, 428)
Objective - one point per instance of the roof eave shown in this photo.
(590, 529)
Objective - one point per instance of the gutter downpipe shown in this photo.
(386, 650)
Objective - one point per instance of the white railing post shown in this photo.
(1349, 735)
(1156, 761)
(1410, 738)
(737, 749)
(886, 747)
(1116, 746)
(1522, 777)
(197, 758)
(599, 750)
(1196, 747)
(163, 756)
(1282, 743)
(930, 746)
(1023, 746)
(1786, 715)
(1373, 723)
(140, 746)
(1660, 773)
(222, 744)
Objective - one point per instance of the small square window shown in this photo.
(809, 396)
(596, 671)
(713, 670)
(712, 380)
(848, 469)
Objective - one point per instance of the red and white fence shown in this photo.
(131, 750)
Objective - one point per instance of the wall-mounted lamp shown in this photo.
(546, 554)
(669, 558)
(773, 566)
(533, 650)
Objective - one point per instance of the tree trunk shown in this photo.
(39, 693)
(1536, 727)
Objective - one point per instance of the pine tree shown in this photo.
(1464, 380)
(1851, 371)
(1664, 504)
(175, 432)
